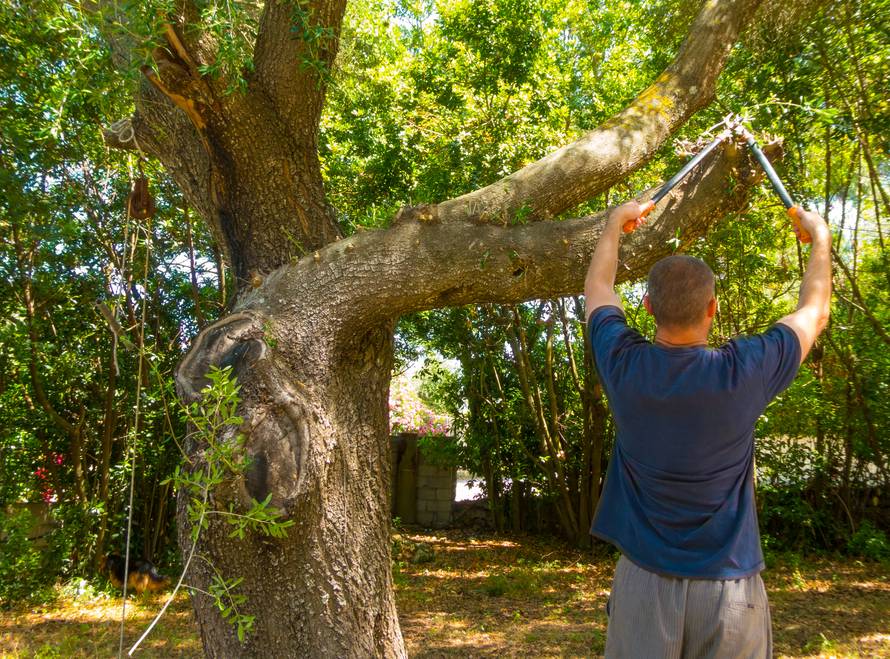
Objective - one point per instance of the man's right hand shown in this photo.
(814, 305)
(628, 216)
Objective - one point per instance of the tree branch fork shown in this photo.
(541, 190)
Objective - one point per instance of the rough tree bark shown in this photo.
(311, 330)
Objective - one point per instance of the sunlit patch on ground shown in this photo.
(90, 627)
(534, 597)
(519, 597)
(489, 596)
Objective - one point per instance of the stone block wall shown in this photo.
(422, 493)
(42, 523)
(435, 494)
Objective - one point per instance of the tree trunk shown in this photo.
(317, 435)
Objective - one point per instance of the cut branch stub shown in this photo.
(277, 440)
(276, 413)
(234, 341)
(179, 79)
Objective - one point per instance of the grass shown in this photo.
(83, 622)
(489, 596)
(534, 597)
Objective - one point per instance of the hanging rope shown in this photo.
(124, 282)
(185, 570)
(132, 451)
(125, 133)
(124, 244)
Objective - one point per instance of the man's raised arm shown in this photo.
(599, 286)
(814, 303)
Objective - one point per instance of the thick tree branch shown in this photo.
(414, 266)
(295, 50)
(578, 171)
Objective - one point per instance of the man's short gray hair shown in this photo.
(680, 288)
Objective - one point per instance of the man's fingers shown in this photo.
(634, 214)
(800, 220)
(632, 225)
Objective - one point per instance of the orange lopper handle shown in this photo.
(802, 234)
(645, 209)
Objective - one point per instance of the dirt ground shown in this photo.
(489, 596)
(532, 597)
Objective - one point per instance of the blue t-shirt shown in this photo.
(679, 493)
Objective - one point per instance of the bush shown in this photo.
(869, 542)
(799, 520)
(23, 569)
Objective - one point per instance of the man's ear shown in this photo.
(712, 307)
(648, 305)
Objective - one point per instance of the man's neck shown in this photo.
(692, 337)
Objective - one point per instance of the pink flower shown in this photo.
(409, 414)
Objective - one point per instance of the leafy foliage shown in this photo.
(22, 570)
(409, 414)
(68, 251)
(869, 542)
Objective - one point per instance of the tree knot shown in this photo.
(235, 341)
(422, 213)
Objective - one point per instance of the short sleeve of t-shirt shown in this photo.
(775, 354)
(609, 334)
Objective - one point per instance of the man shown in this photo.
(678, 500)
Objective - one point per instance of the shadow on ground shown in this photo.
(489, 596)
(518, 596)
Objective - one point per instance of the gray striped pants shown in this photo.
(653, 616)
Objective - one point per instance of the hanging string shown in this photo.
(124, 277)
(185, 570)
(123, 267)
(132, 451)
(124, 131)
